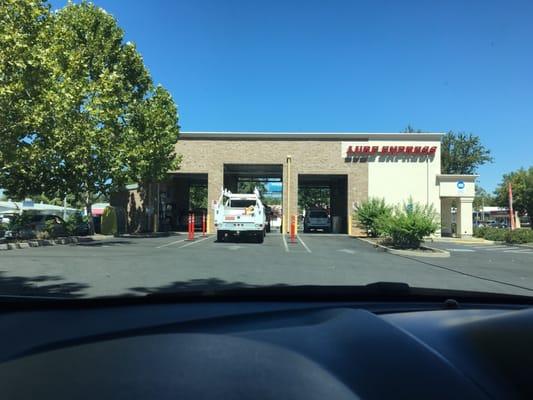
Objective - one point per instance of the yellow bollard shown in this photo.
(208, 229)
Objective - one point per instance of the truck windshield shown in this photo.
(318, 214)
(242, 203)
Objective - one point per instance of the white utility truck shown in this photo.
(240, 214)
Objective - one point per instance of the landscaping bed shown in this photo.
(387, 245)
(517, 236)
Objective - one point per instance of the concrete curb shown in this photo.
(436, 253)
(44, 242)
(460, 241)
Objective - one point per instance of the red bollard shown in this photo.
(293, 229)
(191, 227)
(204, 234)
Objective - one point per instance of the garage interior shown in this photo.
(179, 195)
(325, 191)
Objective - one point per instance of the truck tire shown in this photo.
(220, 236)
(260, 237)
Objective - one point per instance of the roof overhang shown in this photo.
(331, 136)
(456, 177)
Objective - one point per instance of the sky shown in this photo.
(345, 66)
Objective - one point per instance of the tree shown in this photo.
(410, 129)
(463, 153)
(106, 124)
(313, 196)
(249, 186)
(24, 74)
(152, 135)
(482, 198)
(522, 185)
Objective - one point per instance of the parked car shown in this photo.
(35, 223)
(5, 223)
(317, 219)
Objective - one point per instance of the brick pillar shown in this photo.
(215, 180)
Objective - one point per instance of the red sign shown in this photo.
(390, 150)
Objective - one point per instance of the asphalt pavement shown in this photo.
(137, 266)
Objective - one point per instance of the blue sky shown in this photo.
(356, 66)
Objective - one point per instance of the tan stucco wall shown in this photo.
(308, 157)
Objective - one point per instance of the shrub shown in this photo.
(497, 234)
(49, 230)
(480, 231)
(409, 224)
(109, 221)
(75, 224)
(372, 214)
(519, 236)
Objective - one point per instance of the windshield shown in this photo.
(242, 203)
(391, 142)
(318, 214)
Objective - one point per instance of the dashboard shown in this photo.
(267, 350)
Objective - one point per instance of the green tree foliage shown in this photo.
(152, 135)
(198, 197)
(248, 187)
(109, 221)
(463, 153)
(482, 198)
(24, 74)
(522, 184)
(272, 200)
(95, 123)
(313, 196)
(410, 129)
(371, 214)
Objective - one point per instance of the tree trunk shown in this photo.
(88, 207)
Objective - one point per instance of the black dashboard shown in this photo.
(267, 350)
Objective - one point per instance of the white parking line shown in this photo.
(462, 250)
(490, 248)
(303, 244)
(506, 248)
(195, 242)
(285, 243)
(171, 243)
(521, 251)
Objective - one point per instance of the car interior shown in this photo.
(338, 343)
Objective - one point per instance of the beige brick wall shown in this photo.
(308, 157)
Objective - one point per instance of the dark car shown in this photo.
(317, 219)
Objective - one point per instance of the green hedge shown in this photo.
(519, 236)
(497, 234)
(109, 221)
(504, 235)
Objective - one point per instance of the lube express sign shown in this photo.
(353, 150)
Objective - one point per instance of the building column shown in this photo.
(215, 181)
(290, 194)
(446, 216)
(464, 217)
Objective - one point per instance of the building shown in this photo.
(354, 166)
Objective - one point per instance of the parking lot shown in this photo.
(136, 266)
